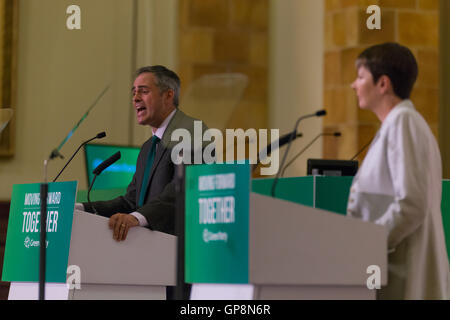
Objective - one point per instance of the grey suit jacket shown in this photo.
(159, 203)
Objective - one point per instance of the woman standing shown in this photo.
(399, 184)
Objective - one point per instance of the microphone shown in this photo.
(98, 136)
(105, 164)
(281, 142)
(99, 169)
(362, 149)
(319, 113)
(335, 134)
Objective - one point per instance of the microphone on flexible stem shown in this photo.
(99, 169)
(281, 142)
(362, 149)
(42, 237)
(335, 134)
(98, 136)
(319, 113)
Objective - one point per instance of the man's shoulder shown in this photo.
(182, 120)
(186, 118)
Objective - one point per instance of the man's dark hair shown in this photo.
(393, 60)
(165, 79)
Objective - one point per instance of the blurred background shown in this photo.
(283, 59)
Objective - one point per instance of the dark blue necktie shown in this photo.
(148, 169)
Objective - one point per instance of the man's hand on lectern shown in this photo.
(120, 223)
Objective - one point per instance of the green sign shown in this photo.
(21, 261)
(217, 223)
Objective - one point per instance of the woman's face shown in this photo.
(365, 89)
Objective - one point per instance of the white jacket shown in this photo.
(399, 185)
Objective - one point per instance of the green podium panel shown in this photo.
(22, 250)
(217, 223)
(328, 193)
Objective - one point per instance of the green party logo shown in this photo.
(32, 243)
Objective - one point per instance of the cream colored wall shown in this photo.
(156, 35)
(296, 73)
(60, 73)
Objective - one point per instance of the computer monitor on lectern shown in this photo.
(337, 168)
(116, 176)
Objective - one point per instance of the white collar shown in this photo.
(407, 103)
(159, 132)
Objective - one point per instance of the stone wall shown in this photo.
(218, 36)
(413, 23)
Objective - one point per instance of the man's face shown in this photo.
(365, 88)
(151, 106)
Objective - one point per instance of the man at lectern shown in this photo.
(150, 197)
(399, 182)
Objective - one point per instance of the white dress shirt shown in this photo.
(399, 185)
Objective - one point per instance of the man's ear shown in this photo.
(169, 95)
